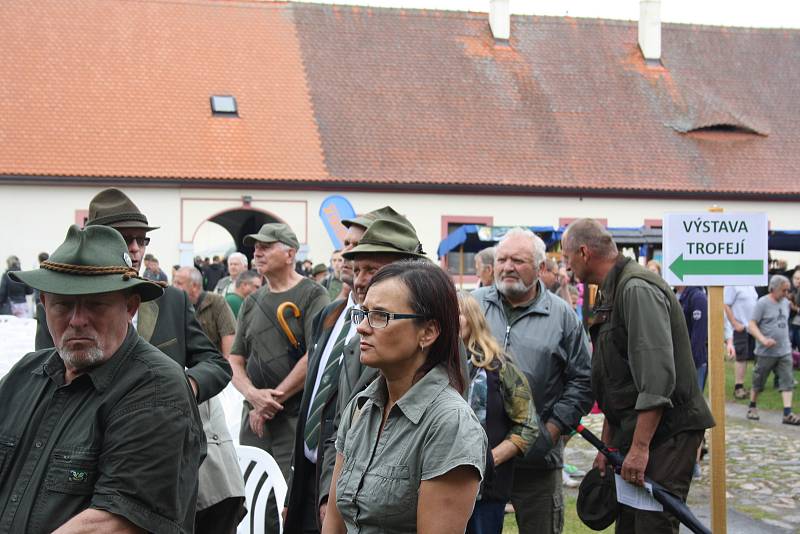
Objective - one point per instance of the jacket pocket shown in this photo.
(7, 445)
(167, 344)
(72, 471)
(388, 488)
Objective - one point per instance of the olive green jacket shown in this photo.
(643, 357)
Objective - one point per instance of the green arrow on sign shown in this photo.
(683, 267)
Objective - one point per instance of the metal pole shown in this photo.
(716, 392)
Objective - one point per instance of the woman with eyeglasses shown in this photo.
(410, 451)
(501, 398)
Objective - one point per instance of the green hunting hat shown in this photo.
(597, 499)
(94, 260)
(388, 237)
(319, 268)
(112, 207)
(272, 232)
(367, 219)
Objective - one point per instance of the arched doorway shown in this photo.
(240, 222)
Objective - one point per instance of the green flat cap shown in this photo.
(386, 212)
(112, 207)
(272, 232)
(597, 499)
(388, 237)
(94, 260)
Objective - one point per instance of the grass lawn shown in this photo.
(769, 399)
(572, 524)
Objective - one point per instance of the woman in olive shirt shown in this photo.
(411, 452)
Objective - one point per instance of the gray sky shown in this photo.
(760, 13)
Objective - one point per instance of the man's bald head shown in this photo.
(592, 235)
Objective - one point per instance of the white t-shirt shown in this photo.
(742, 300)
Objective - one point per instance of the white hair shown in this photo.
(776, 282)
(537, 245)
(238, 256)
(195, 275)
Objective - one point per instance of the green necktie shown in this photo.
(329, 376)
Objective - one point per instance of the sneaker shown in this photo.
(567, 480)
(697, 473)
(573, 471)
(741, 393)
(752, 414)
(791, 419)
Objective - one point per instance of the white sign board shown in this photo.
(715, 249)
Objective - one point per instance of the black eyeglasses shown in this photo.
(380, 319)
(141, 241)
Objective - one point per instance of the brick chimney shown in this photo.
(650, 30)
(500, 19)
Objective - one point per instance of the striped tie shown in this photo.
(329, 376)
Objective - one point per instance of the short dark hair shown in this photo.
(246, 278)
(432, 294)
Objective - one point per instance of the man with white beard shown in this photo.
(546, 341)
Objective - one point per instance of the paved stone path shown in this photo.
(763, 467)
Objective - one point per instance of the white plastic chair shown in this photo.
(262, 476)
(231, 401)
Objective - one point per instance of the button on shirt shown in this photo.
(93, 442)
(430, 431)
(326, 354)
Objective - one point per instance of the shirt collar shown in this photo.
(417, 399)
(608, 287)
(540, 304)
(102, 375)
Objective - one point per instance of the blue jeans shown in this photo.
(487, 518)
(702, 374)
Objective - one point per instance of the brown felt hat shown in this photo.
(597, 499)
(112, 207)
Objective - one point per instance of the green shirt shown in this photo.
(215, 317)
(430, 431)
(260, 339)
(125, 437)
(235, 302)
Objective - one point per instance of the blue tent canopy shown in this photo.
(474, 237)
(784, 240)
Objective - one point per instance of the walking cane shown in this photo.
(297, 349)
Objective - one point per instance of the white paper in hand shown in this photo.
(637, 497)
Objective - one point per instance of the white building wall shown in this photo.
(35, 218)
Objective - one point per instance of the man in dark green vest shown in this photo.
(643, 374)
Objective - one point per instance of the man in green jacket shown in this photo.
(168, 323)
(643, 374)
(100, 433)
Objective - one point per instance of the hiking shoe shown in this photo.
(573, 471)
(791, 419)
(696, 472)
(740, 393)
(567, 480)
(752, 414)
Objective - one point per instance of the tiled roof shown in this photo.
(122, 88)
(368, 97)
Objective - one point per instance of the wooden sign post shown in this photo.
(716, 249)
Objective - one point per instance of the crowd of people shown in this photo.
(391, 401)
